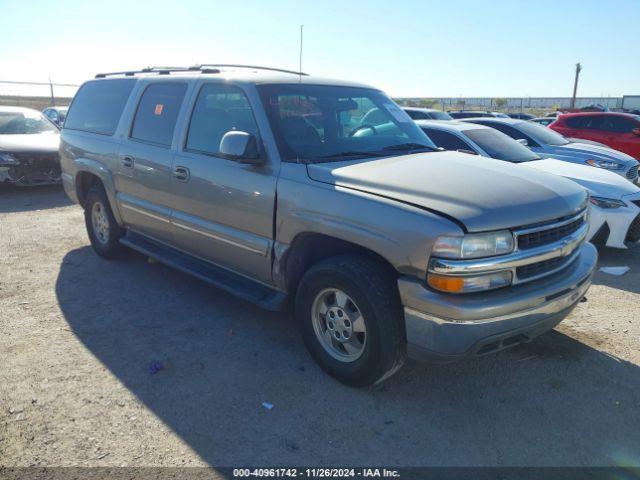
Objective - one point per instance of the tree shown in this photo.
(500, 102)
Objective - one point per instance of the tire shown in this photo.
(372, 296)
(104, 232)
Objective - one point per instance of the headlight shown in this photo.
(7, 158)
(474, 245)
(468, 284)
(607, 202)
(606, 164)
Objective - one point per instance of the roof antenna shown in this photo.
(300, 59)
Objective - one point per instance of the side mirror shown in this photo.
(522, 141)
(241, 147)
(636, 131)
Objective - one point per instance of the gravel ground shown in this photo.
(79, 335)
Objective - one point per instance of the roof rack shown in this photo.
(251, 67)
(158, 70)
(202, 68)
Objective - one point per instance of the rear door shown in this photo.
(617, 132)
(223, 210)
(570, 127)
(585, 126)
(145, 160)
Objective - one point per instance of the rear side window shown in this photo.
(618, 124)
(446, 140)
(584, 121)
(98, 105)
(417, 115)
(157, 113)
(512, 132)
(219, 109)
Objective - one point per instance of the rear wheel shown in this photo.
(350, 316)
(104, 232)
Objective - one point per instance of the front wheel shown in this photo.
(350, 316)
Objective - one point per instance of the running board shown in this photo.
(221, 278)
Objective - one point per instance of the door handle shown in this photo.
(127, 162)
(181, 174)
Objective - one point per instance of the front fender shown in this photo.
(401, 234)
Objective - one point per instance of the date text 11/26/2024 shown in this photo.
(316, 473)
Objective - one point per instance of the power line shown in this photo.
(13, 82)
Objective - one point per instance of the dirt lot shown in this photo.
(79, 335)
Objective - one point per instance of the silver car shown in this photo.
(419, 113)
(291, 190)
(547, 143)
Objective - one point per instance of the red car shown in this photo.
(616, 130)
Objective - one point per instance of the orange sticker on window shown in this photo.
(158, 110)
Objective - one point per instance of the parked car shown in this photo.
(546, 121)
(594, 107)
(475, 114)
(56, 114)
(521, 116)
(426, 114)
(548, 143)
(620, 131)
(615, 210)
(385, 245)
(28, 148)
(585, 142)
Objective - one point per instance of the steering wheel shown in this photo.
(363, 127)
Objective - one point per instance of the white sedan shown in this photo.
(615, 202)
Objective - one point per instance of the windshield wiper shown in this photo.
(350, 153)
(402, 147)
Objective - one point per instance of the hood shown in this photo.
(587, 151)
(599, 182)
(31, 143)
(483, 195)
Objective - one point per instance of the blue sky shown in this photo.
(405, 47)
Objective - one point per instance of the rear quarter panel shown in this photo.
(91, 153)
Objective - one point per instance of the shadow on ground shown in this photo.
(613, 257)
(553, 402)
(24, 199)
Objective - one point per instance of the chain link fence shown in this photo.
(512, 104)
(36, 95)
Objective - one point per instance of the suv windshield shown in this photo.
(500, 146)
(21, 123)
(316, 123)
(544, 134)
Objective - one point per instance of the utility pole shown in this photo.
(300, 57)
(53, 99)
(575, 85)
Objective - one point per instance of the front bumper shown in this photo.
(617, 221)
(68, 183)
(26, 169)
(444, 327)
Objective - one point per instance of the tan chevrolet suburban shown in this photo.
(287, 189)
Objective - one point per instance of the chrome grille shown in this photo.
(545, 237)
(552, 235)
(532, 270)
(632, 173)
